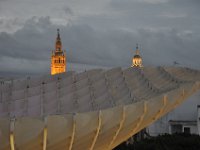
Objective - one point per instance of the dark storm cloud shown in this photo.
(27, 41)
(33, 43)
(167, 30)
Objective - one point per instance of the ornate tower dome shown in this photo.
(58, 58)
(137, 59)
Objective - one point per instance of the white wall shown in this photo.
(193, 129)
(187, 111)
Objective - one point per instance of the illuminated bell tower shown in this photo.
(58, 57)
(137, 59)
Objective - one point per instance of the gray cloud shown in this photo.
(68, 11)
(168, 30)
(86, 45)
(171, 14)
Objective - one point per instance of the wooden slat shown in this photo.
(161, 110)
(97, 131)
(140, 120)
(120, 127)
(12, 139)
(73, 133)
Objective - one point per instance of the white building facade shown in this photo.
(184, 119)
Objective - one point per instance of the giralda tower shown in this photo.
(58, 57)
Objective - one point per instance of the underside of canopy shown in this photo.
(96, 109)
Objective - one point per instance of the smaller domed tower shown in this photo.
(58, 57)
(137, 59)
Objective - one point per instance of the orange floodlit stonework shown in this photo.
(58, 57)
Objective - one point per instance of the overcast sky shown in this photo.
(99, 33)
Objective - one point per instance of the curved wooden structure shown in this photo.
(93, 110)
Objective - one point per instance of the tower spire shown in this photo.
(58, 34)
(58, 41)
